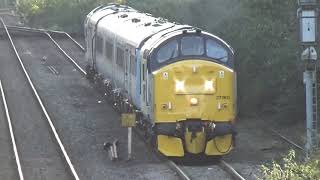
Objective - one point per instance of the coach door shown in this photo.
(126, 69)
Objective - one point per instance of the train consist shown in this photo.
(179, 79)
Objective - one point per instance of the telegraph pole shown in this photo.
(307, 14)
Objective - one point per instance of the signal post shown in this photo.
(308, 15)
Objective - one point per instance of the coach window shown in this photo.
(216, 51)
(168, 51)
(109, 50)
(133, 65)
(120, 57)
(192, 45)
(99, 44)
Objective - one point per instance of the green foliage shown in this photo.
(67, 15)
(291, 170)
(262, 32)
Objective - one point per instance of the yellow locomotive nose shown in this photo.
(199, 94)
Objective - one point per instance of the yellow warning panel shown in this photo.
(170, 146)
(220, 145)
(128, 119)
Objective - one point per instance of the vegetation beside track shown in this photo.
(290, 169)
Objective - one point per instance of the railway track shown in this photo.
(295, 145)
(10, 137)
(38, 149)
(218, 170)
(73, 45)
(180, 172)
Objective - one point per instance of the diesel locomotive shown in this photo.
(178, 79)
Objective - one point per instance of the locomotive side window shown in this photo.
(99, 44)
(109, 50)
(168, 51)
(216, 51)
(192, 45)
(133, 65)
(120, 57)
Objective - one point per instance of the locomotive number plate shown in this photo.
(128, 119)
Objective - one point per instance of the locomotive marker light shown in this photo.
(129, 120)
(307, 15)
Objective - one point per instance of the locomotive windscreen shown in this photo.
(190, 46)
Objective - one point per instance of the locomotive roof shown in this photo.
(136, 27)
(129, 23)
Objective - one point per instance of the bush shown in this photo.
(291, 170)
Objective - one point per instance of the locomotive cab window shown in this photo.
(192, 45)
(216, 51)
(168, 51)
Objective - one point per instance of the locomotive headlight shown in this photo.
(179, 85)
(208, 85)
(194, 101)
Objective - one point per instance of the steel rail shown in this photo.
(173, 166)
(288, 140)
(177, 169)
(70, 37)
(49, 31)
(46, 33)
(66, 156)
(65, 54)
(14, 145)
(230, 170)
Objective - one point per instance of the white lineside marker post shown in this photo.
(129, 142)
(129, 120)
